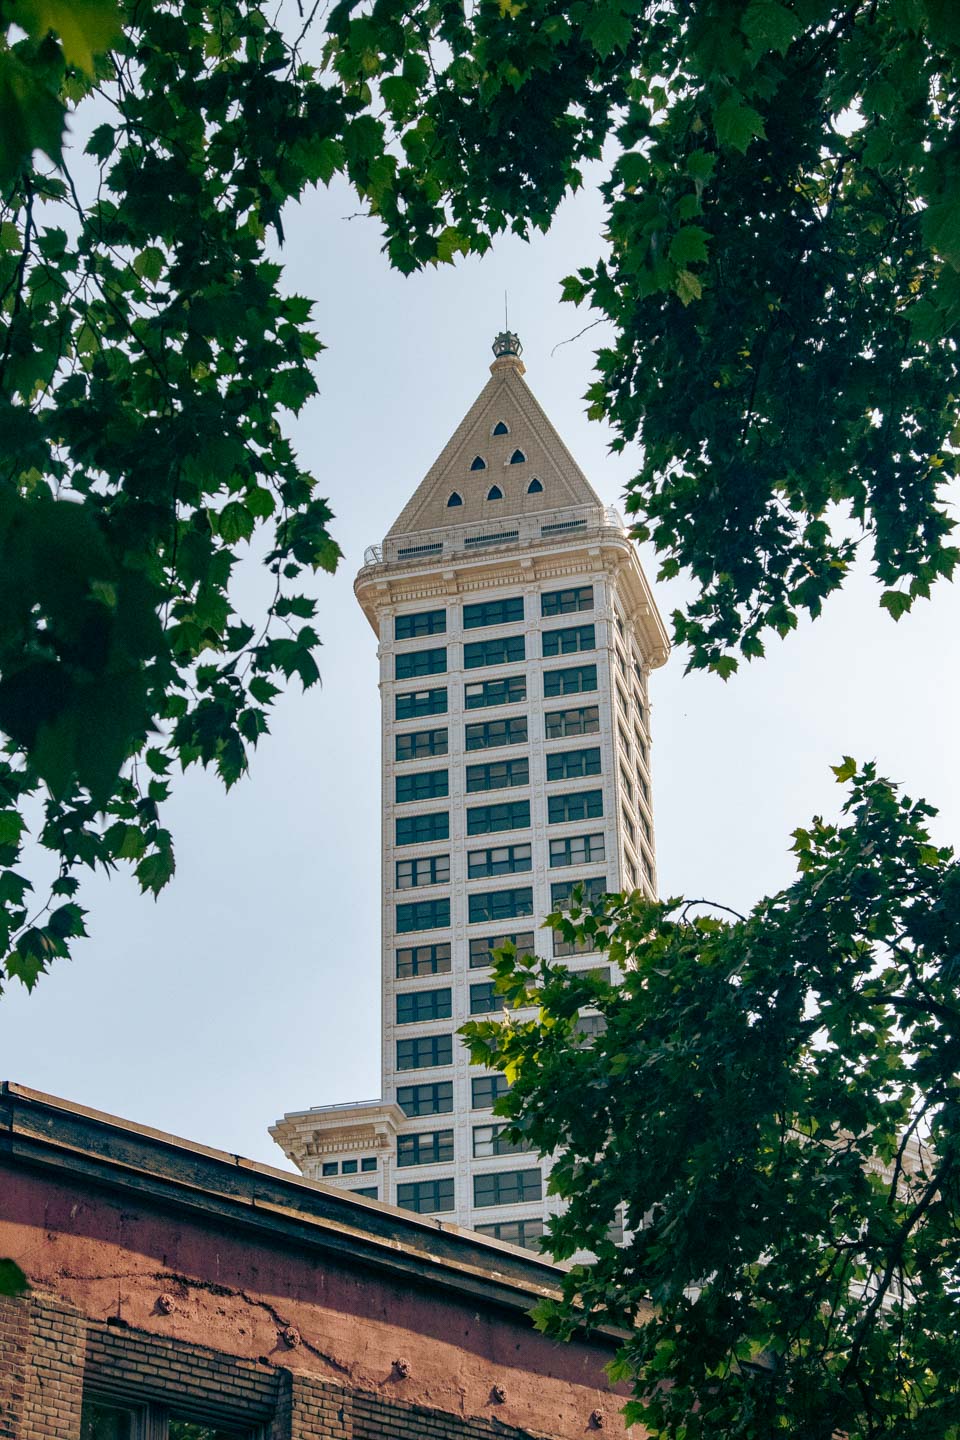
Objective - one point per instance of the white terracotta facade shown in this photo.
(548, 547)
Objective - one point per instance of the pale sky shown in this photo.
(252, 986)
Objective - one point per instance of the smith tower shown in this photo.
(516, 633)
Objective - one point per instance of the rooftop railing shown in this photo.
(516, 530)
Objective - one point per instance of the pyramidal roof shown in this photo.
(503, 460)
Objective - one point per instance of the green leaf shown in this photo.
(689, 245)
(235, 522)
(449, 243)
(737, 123)
(687, 286)
(607, 27)
(896, 602)
(11, 827)
(12, 1279)
(770, 26)
(85, 27)
(149, 264)
(32, 117)
(940, 225)
(846, 770)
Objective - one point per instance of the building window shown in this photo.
(500, 905)
(425, 870)
(426, 622)
(483, 1000)
(488, 819)
(425, 785)
(110, 1420)
(584, 720)
(426, 1197)
(534, 488)
(431, 1147)
(498, 775)
(329, 1167)
(349, 1167)
(572, 764)
(501, 428)
(499, 860)
(488, 734)
(562, 949)
(489, 1140)
(508, 691)
(588, 1027)
(625, 782)
(455, 499)
(525, 1233)
(499, 650)
(577, 850)
(419, 1005)
(481, 950)
(494, 493)
(369, 1162)
(619, 622)
(414, 960)
(574, 681)
(615, 1228)
(368, 1192)
(628, 824)
(420, 702)
(561, 891)
(478, 463)
(580, 805)
(493, 612)
(420, 662)
(486, 1090)
(421, 829)
(518, 458)
(425, 1052)
(569, 641)
(423, 915)
(565, 602)
(417, 744)
(434, 1099)
(507, 1187)
(621, 663)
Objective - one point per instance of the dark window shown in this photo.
(420, 662)
(584, 720)
(110, 1420)
(421, 829)
(427, 622)
(349, 1167)
(501, 428)
(491, 1140)
(416, 960)
(488, 819)
(525, 1233)
(534, 488)
(569, 641)
(498, 650)
(577, 850)
(425, 870)
(424, 1052)
(588, 1027)
(434, 1099)
(330, 1167)
(561, 891)
(581, 805)
(572, 764)
(427, 1197)
(423, 915)
(419, 1005)
(417, 744)
(494, 493)
(421, 702)
(624, 702)
(484, 999)
(564, 948)
(425, 785)
(369, 1192)
(615, 1228)
(628, 824)
(481, 950)
(574, 681)
(455, 499)
(499, 860)
(478, 463)
(518, 458)
(486, 1090)
(507, 1187)
(488, 734)
(564, 602)
(500, 905)
(508, 691)
(431, 1147)
(369, 1162)
(493, 612)
(498, 775)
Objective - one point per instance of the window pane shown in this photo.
(418, 1005)
(489, 733)
(578, 805)
(507, 1187)
(484, 999)
(420, 743)
(105, 1422)
(526, 1233)
(493, 612)
(503, 650)
(500, 905)
(569, 682)
(434, 1099)
(427, 785)
(427, 622)
(421, 702)
(509, 690)
(570, 641)
(423, 960)
(423, 915)
(564, 602)
(584, 720)
(572, 764)
(426, 1197)
(424, 1052)
(411, 829)
(432, 1147)
(481, 949)
(487, 819)
(486, 1090)
(420, 662)
(498, 775)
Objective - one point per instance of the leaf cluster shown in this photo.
(772, 1101)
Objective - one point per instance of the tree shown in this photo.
(782, 277)
(773, 1102)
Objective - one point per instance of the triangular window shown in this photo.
(494, 493)
(501, 428)
(455, 499)
(534, 488)
(478, 463)
(518, 458)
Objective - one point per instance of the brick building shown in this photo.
(181, 1293)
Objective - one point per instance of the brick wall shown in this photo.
(14, 1360)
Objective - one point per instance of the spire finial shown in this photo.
(507, 343)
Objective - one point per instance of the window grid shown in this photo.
(576, 805)
(481, 694)
(414, 960)
(499, 860)
(424, 870)
(425, 1052)
(415, 703)
(507, 1187)
(583, 720)
(422, 829)
(574, 681)
(490, 1140)
(570, 641)
(526, 1234)
(415, 1006)
(573, 764)
(487, 734)
(499, 650)
(481, 948)
(593, 888)
(422, 785)
(500, 905)
(577, 850)
(493, 612)
(428, 1147)
(423, 915)
(484, 999)
(420, 662)
(426, 1197)
(430, 1099)
(425, 622)
(508, 815)
(417, 744)
(498, 775)
(486, 1090)
(565, 602)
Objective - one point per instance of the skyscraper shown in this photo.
(516, 632)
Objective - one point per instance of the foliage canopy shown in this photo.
(773, 1102)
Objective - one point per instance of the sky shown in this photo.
(251, 986)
